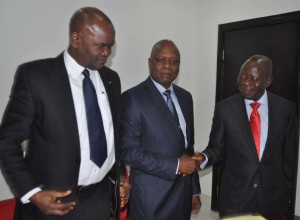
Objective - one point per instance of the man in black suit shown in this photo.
(156, 142)
(57, 179)
(258, 164)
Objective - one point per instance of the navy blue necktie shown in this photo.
(171, 105)
(172, 108)
(98, 145)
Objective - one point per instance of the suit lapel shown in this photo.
(272, 112)
(240, 113)
(157, 99)
(184, 106)
(63, 94)
(107, 82)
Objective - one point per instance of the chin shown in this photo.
(247, 96)
(98, 67)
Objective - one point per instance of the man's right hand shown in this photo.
(198, 157)
(48, 202)
(187, 165)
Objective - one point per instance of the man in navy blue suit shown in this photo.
(157, 142)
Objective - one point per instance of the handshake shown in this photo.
(198, 157)
(190, 164)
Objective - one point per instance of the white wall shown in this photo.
(34, 29)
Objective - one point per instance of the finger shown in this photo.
(61, 208)
(195, 211)
(61, 194)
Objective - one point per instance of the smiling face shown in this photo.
(253, 79)
(164, 63)
(91, 39)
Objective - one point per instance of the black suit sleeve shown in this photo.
(215, 149)
(14, 129)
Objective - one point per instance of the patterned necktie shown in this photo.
(97, 139)
(255, 126)
(172, 108)
(171, 105)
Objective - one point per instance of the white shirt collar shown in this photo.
(73, 68)
(160, 88)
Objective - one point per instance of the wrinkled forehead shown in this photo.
(166, 51)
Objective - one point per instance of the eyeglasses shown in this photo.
(171, 62)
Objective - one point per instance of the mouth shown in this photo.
(166, 75)
(246, 90)
(102, 61)
(248, 93)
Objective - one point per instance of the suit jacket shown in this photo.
(250, 185)
(41, 109)
(150, 144)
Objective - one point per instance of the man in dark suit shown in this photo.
(258, 164)
(57, 179)
(156, 142)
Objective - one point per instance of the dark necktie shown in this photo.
(172, 108)
(255, 126)
(97, 139)
(171, 105)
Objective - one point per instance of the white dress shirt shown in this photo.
(89, 172)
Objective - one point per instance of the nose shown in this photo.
(167, 64)
(248, 82)
(106, 51)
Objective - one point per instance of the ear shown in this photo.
(269, 81)
(75, 39)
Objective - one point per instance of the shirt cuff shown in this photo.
(27, 196)
(203, 164)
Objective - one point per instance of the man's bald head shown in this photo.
(86, 17)
(91, 37)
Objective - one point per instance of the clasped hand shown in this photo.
(49, 203)
(124, 191)
(189, 165)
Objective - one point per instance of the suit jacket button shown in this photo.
(255, 185)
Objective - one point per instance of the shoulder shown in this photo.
(279, 99)
(280, 102)
(109, 73)
(229, 101)
(40, 64)
(136, 90)
(40, 69)
(181, 90)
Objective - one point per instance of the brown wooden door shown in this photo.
(276, 37)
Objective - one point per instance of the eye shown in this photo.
(243, 78)
(104, 47)
(159, 61)
(174, 62)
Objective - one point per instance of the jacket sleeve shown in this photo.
(15, 128)
(215, 148)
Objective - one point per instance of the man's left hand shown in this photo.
(196, 204)
(124, 191)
